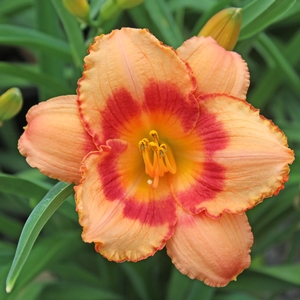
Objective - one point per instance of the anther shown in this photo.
(143, 144)
(162, 150)
(154, 135)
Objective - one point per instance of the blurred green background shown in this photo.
(41, 51)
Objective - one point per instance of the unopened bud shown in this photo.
(78, 8)
(125, 4)
(112, 8)
(109, 10)
(10, 104)
(224, 27)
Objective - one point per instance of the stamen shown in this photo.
(169, 160)
(145, 150)
(162, 150)
(143, 144)
(154, 136)
(161, 162)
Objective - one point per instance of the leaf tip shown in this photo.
(9, 287)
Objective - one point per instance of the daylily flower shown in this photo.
(164, 150)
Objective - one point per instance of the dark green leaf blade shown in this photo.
(287, 273)
(265, 18)
(163, 19)
(33, 39)
(10, 7)
(21, 187)
(73, 31)
(31, 75)
(34, 224)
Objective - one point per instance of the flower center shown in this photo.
(158, 158)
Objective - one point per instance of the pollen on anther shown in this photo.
(149, 181)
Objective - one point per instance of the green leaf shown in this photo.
(268, 211)
(292, 16)
(68, 210)
(77, 273)
(294, 248)
(136, 280)
(272, 78)
(21, 187)
(3, 273)
(207, 14)
(71, 291)
(202, 5)
(10, 7)
(14, 205)
(10, 227)
(74, 34)
(256, 283)
(177, 285)
(260, 14)
(278, 231)
(19, 163)
(35, 77)
(34, 224)
(46, 254)
(163, 19)
(9, 80)
(32, 291)
(48, 22)
(9, 137)
(35, 176)
(7, 251)
(272, 51)
(235, 296)
(253, 10)
(197, 288)
(26, 37)
(293, 110)
(183, 288)
(95, 6)
(287, 273)
(142, 19)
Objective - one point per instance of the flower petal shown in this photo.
(128, 76)
(235, 159)
(119, 212)
(216, 70)
(213, 251)
(54, 140)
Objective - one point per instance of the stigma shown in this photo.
(158, 158)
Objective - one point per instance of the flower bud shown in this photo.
(112, 8)
(125, 4)
(224, 27)
(10, 104)
(78, 8)
(109, 10)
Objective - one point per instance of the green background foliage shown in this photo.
(41, 51)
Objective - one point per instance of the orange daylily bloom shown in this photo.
(164, 150)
